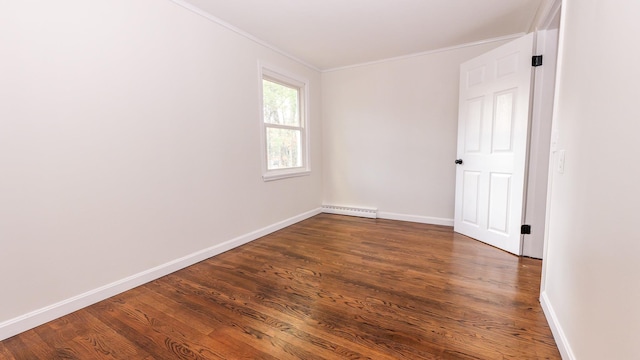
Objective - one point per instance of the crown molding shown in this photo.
(267, 45)
(240, 32)
(429, 52)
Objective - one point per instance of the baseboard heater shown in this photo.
(351, 211)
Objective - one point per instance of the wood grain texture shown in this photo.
(330, 287)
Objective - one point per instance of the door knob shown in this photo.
(459, 161)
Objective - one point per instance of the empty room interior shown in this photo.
(417, 179)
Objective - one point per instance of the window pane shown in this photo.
(284, 149)
(280, 104)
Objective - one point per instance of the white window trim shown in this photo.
(286, 78)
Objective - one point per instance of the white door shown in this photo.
(493, 121)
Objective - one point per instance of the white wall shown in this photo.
(390, 133)
(592, 275)
(129, 137)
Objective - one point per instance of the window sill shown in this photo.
(285, 175)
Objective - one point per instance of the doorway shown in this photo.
(492, 202)
(541, 138)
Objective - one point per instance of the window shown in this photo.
(284, 126)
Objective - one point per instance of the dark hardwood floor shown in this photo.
(331, 287)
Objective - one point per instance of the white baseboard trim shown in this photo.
(556, 329)
(416, 218)
(351, 211)
(30, 320)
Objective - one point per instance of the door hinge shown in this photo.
(525, 229)
(536, 60)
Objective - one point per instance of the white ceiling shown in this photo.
(329, 34)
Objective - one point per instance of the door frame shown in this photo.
(540, 141)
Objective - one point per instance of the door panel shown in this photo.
(508, 65)
(503, 121)
(495, 90)
(499, 203)
(470, 194)
(473, 134)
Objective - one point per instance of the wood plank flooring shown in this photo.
(330, 287)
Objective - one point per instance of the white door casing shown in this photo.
(493, 122)
(540, 142)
